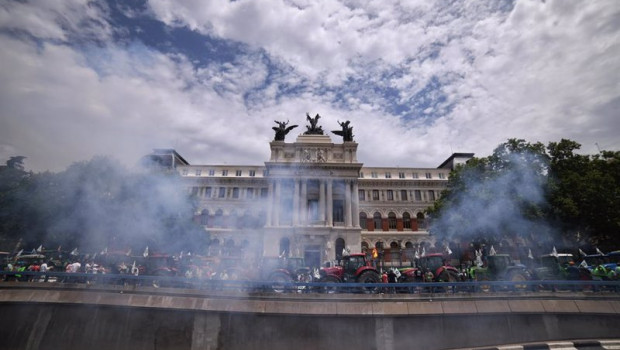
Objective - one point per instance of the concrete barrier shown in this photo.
(88, 317)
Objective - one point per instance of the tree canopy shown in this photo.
(98, 204)
(534, 192)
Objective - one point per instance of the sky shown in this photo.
(418, 80)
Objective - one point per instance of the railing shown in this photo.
(590, 287)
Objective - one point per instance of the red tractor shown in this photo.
(285, 270)
(430, 268)
(353, 268)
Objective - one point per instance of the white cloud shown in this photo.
(539, 71)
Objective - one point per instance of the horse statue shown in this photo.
(282, 129)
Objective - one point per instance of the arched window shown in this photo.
(229, 247)
(421, 221)
(339, 248)
(392, 221)
(363, 221)
(204, 217)
(376, 217)
(233, 220)
(285, 247)
(407, 221)
(219, 218)
(364, 247)
(394, 251)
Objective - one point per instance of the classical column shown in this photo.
(330, 203)
(356, 205)
(347, 203)
(304, 201)
(270, 205)
(322, 200)
(296, 204)
(277, 203)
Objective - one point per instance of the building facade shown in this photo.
(314, 199)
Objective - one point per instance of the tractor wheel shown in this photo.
(447, 276)
(279, 282)
(326, 289)
(370, 277)
(484, 287)
(518, 277)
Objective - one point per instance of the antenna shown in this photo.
(599, 149)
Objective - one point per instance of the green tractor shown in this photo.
(499, 267)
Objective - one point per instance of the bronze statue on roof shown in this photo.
(313, 129)
(346, 132)
(282, 129)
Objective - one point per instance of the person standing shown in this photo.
(43, 269)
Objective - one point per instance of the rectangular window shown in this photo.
(222, 193)
(442, 176)
(390, 195)
(429, 176)
(431, 195)
(415, 175)
(401, 175)
(418, 195)
(195, 191)
(208, 192)
(313, 209)
(184, 172)
(252, 173)
(361, 175)
(249, 193)
(237, 172)
(375, 195)
(211, 172)
(361, 194)
(338, 210)
(224, 172)
(403, 195)
(264, 192)
(388, 175)
(265, 173)
(198, 172)
(235, 193)
(373, 175)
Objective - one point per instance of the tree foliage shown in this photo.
(98, 204)
(527, 189)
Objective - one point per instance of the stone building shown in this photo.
(313, 198)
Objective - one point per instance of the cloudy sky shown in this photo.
(418, 80)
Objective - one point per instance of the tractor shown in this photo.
(430, 268)
(281, 271)
(499, 267)
(353, 268)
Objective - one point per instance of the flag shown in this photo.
(448, 250)
(104, 251)
(479, 258)
(128, 252)
(146, 252)
(598, 251)
(584, 264)
(582, 252)
(554, 252)
(529, 254)
(19, 252)
(344, 252)
(40, 249)
(417, 254)
(492, 251)
(423, 251)
(33, 251)
(74, 252)
(282, 254)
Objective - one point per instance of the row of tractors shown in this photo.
(281, 273)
